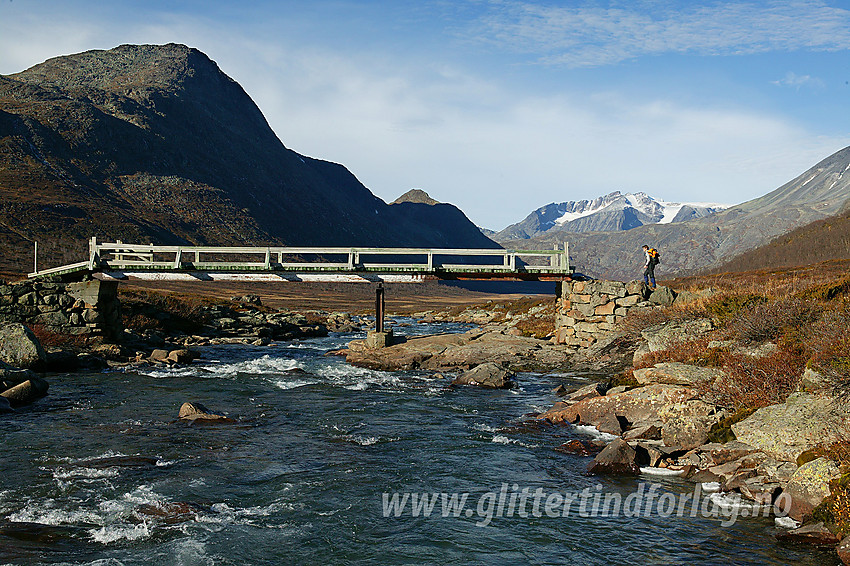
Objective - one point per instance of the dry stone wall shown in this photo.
(588, 310)
(85, 308)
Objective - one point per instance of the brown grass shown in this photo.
(49, 338)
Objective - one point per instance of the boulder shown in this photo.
(677, 373)
(159, 355)
(5, 406)
(617, 458)
(198, 412)
(644, 432)
(687, 431)
(19, 347)
(579, 448)
(843, 550)
(487, 375)
(814, 382)
(586, 392)
(723, 453)
(26, 392)
(809, 486)
(662, 336)
(182, 356)
(815, 534)
(788, 429)
(639, 405)
(663, 296)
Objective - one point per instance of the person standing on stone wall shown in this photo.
(653, 258)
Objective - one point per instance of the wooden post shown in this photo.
(379, 308)
(35, 258)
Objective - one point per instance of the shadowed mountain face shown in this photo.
(155, 143)
(710, 241)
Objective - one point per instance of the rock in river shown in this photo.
(487, 375)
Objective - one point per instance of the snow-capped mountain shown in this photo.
(612, 212)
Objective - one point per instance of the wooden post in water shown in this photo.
(379, 308)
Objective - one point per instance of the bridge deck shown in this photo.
(147, 261)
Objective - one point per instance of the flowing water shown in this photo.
(100, 473)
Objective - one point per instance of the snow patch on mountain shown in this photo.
(661, 211)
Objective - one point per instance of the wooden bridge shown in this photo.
(277, 264)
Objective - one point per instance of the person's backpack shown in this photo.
(654, 256)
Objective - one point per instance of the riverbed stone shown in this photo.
(27, 392)
(618, 458)
(815, 534)
(197, 411)
(489, 375)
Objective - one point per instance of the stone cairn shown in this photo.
(588, 310)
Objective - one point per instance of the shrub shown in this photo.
(725, 308)
(769, 320)
(756, 382)
(48, 337)
(829, 346)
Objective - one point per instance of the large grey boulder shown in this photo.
(677, 373)
(788, 429)
(662, 336)
(809, 486)
(19, 347)
(487, 375)
(663, 296)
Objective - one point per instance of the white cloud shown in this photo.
(496, 150)
(796, 81)
(592, 35)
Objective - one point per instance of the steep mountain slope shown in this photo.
(706, 243)
(822, 240)
(614, 211)
(155, 143)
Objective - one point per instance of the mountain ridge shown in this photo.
(614, 211)
(706, 243)
(156, 143)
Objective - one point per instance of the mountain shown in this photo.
(614, 211)
(820, 241)
(706, 243)
(155, 143)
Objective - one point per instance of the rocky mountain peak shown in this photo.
(417, 196)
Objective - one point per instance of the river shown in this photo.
(316, 466)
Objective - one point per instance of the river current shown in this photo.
(330, 464)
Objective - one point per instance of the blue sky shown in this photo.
(502, 106)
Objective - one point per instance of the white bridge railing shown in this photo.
(118, 256)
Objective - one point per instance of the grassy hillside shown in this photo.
(820, 241)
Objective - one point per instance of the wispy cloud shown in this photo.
(797, 82)
(594, 34)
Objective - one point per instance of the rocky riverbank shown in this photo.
(673, 418)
